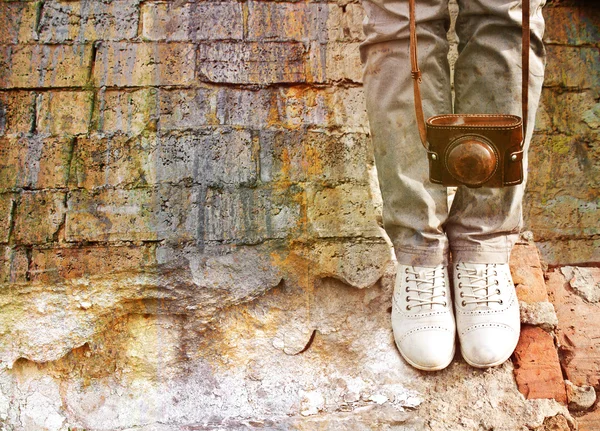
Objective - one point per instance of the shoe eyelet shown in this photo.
(444, 295)
(497, 282)
(407, 289)
(497, 291)
(406, 270)
(462, 295)
(406, 279)
(501, 302)
(445, 304)
(460, 285)
(408, 307)
(458, 275)
(496, 273)
(464, 303)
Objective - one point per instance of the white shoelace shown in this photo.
(426, 285)
(483, 288)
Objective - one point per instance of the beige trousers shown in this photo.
(482, 224)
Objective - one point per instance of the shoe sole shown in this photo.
(423, 368)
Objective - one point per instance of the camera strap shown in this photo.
(416, 73)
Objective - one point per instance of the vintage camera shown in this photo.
(475, 150)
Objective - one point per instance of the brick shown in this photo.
(249, 216)
(129, 112)
(537, 368)
(14, 265)
(572, 25)
(344, 24)
(34, 162)
(61, 113)
(572, 67)
(39, 216)
(188, 109)
(527, 274)
(577, 333)
(251, 62)
(7, 202)
(197, 21)
(123, 64)
(342, 211)
(257, 108)
(565, 112)
(575, 250)
(302, 155)
(65, 263)
(30, 66)
(141, 214)
(219, 156)
(287, 21)
(343, 62)
(18, 22)
(88, 21)
(17, 111)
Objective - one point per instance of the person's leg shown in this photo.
(414, 209)
(484, 223)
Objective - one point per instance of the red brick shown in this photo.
(578, 332)
(527, 274)
(537, 367)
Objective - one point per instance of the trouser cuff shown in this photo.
(425, 256)
(480, 255)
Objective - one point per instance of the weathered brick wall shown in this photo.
(563, 200)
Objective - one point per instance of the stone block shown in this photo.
(129, 112)
(211, 157)
(287, 21)
(18, 22)
(141, 214)
(537, 368)
(7, 203)
(208, 20)
(566, 112)
(302, 155)
(32, 66)
(590, 421)
(344, 23)
(34, 162)
(14, 265)
(59, 264)
(575, 250)
(572, 67)
(17, 111)
(572, 25)
(39, 216)
(346, 210)
(527, 274)
(124, 64)
(343, 62)
(252, 62)
(256, 108)
(61, 113)
(189, 108)
(249, 216)
(577, 333)
(88, 21)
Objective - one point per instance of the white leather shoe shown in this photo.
(422, 317)
(487, 313)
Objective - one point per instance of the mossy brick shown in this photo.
(140, 214)
(319, 156)
(17, 112)
(252, 62)
(287, 21)
(131, 112)
(573, 67)
(14, 265)
(55, 265)
(63, 113)
(88, 21)
(39, 216)
(125, 64)
(197, 21)
(32, 66)
(565, 112)
(252, 215)
(18, 22)
(345, 210)
(34, 162)
(572, 25)
(7, 203)
(221, 156)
